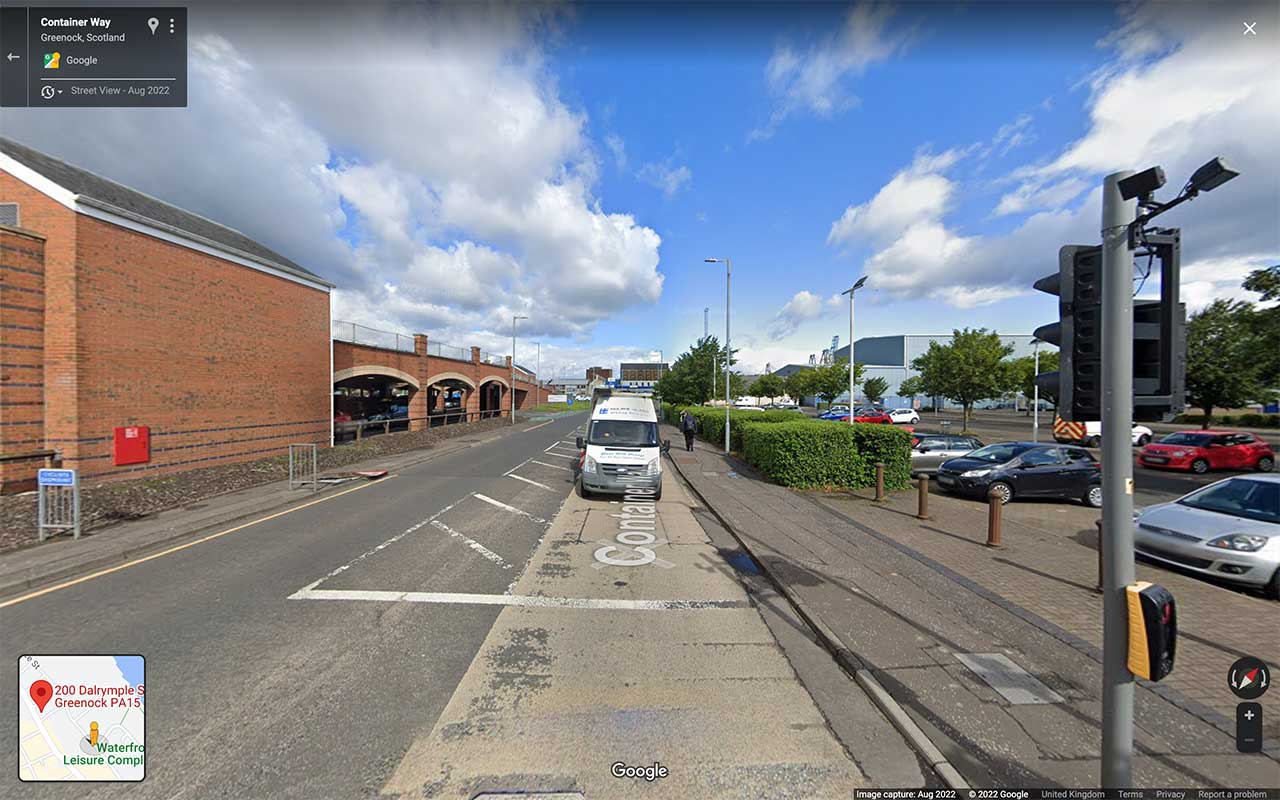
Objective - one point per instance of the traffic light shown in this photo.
(1159, 333)
(1077, 385)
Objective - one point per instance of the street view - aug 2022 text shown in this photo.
(640, 400)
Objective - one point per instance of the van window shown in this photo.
(623, 433)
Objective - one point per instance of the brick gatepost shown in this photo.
(472, 402)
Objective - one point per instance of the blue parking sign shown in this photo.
(56, 477)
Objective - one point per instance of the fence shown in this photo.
(357, 429)
(344, 331)
(302, 466)
(447, 351)
(493, 358)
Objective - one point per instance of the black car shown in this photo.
(1025, 469)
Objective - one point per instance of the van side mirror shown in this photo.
(582, 445)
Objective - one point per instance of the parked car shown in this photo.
(1229, 529)
(869, 414)
(929, 450)
(1025, 469)
(1201, 451)
(835, 412)
(906, 416)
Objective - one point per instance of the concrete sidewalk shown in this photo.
(62, 557)
(866, 578)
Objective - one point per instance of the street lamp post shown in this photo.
(1035, 412)
(513, 367)
(850, 291)
(728, 351)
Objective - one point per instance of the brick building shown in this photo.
(603, 373)
(119, 311)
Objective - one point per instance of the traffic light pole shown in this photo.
(1117, 483)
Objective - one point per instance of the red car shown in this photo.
(872, 415)
(1201, 451)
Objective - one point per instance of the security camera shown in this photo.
(1142, 184)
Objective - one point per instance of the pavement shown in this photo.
(452, 628)
(916, 603)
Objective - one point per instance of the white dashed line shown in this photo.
(505, 507)
(535, 483)
(517, 600)
(473, 544)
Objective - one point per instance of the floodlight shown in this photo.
(1142, 184)
(1213, 174)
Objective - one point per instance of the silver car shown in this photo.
(929, 450)
(1229, 529)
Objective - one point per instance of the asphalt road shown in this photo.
(252, 694)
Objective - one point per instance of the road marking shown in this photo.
(534, 601)
(535, 483)
(516, 467)
(558, 444)
(201, 540)
(563, 455)
(539, 425)
(1011, 681)
(506, 507)
(545, 464)
(473, 544)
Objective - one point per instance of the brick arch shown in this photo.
(450, 376)
(495, 378)
(374, 369)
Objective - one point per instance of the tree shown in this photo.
(1022, 372)
(1222, 368)
(831, 381)
(769, 386)
(688, 382)
(969, 369)
(1266, 323)
(799, 385)
(874, 389)
(910, 387)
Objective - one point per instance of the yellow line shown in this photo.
(176, 548)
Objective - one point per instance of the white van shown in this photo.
(621, 450)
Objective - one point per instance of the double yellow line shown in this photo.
(176, 548)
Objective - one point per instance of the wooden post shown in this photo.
(922, 507)
(994, 508)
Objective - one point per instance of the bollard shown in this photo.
(994, 508)
(879, 480)
(1098, 588)
(922, 508)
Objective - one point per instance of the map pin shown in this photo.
(41, 691)
(152, 23)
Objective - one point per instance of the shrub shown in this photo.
(811, 454)
(711, 421)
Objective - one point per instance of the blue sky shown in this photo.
(449, 166)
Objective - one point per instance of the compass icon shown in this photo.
(1249, 678)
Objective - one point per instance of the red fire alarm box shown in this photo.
(132, 445)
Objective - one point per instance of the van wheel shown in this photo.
(1143, 440)
(1093, 441)
(583, 491)
(1272, 589)
(658, 496)
(1199, 466)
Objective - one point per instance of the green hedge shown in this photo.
(812, 454)
(1243, 420)
(711, 421)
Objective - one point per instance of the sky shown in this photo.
(450, 166)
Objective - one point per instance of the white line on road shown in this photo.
(535, 427)
(473, 544)
(545, 464)
(506, 507)
(517, 600)
(535, 483)
(516, 467)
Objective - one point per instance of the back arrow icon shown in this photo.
(11, 56)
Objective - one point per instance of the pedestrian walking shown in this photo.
(688, 426)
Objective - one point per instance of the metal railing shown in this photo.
(357, 429)
(353, 332)
(302, 466)
(493, 358)
(447, 351)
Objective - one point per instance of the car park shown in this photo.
(1011, 470)
(929, 450)
(1228, 530)
(1201, 451)
(905, 416)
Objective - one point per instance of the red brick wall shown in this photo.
(221, 361)
(21, 355)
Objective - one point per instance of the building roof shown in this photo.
(790, 369)
(106, 194)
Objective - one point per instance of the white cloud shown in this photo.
(802, 307)
(1178, 100)
(666, 175)
(815, 80)
(618, 149)
(437, 177)
(918, 192)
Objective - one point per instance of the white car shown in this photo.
(1093, 435)
(904, 416)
